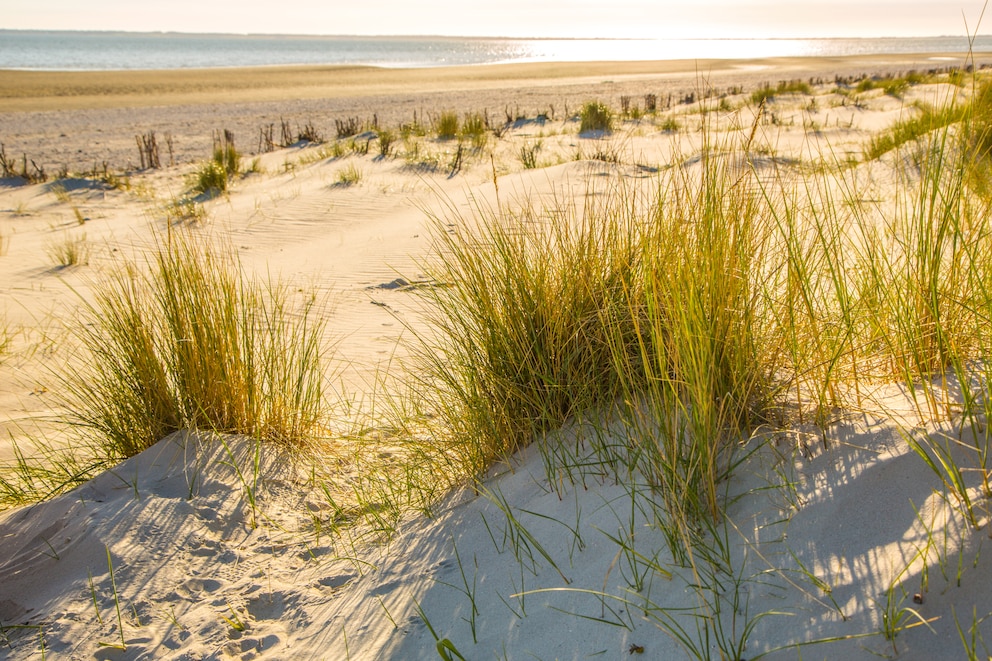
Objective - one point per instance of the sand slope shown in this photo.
(189, 563)
(822, 534)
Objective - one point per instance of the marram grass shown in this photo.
(193, 342)
(700, 309)
(645, 303)
(516, 344)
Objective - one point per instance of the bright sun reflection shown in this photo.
(586, 50)
(589, 50)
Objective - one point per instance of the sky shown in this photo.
(513, 18)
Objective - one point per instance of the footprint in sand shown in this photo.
(193, 588)
(250, 648)
(10, 610)
(338, 581)
(281, 606)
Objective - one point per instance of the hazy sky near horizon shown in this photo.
(515, 18)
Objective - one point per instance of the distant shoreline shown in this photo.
(30, 91)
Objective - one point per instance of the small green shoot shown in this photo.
(52, 553)
(117, 605)
(972, 641)
(96, 606)
(446, 650)
(235, 621)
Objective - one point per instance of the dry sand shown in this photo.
(81, 120)
(196, 580)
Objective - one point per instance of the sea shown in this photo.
(108, 51)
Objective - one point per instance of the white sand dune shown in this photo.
(525, 564)
(826, 538)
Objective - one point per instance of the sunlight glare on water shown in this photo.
(588, 50)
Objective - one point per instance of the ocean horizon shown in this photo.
(43, 50)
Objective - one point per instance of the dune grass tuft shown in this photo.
(195, 343)
(767, 92)
(210, 179)
(445, 125)
(595, 117)
(644, 307)
(973, 118)
(225, 153)
(516, 346)
(386, 141)
(214, 176)
(698, 309)
(893, 85)
(69, 251)
(474, 129)
(919, 124)
(349, 175)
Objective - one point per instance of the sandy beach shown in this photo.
(78, 120)
(836, 539)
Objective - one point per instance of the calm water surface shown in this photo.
(43, 50)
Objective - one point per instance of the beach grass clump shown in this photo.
(876, 294)
(528, 155)
(349, 175)
(973, 116)
(595, 117)
(893, 85)
(69, 251)
(693, 313)
(896, 286)
(445, 125)
(642, 307)
(767, 92)
(213, 177)
(516, 344)
(193, 342)
(226, 154)
(923, 270)
(210, 179)
(706, 344)
(931, 314)
(925, 120)
(387, 139)
(475, 129)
